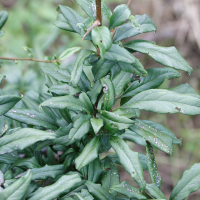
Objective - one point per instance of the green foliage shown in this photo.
(51, 147)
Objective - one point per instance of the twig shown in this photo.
(128, 3)
(96, 24)
(29, 59)
(98, 21)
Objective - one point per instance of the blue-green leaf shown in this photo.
(165, 101)
(96, 124)
(18, 189)
(111, 118)
(155, 192)
(168, 56)
(7, 102)
(78, 66)
(91, 149)
(80, 127)
(98, 192)
(129, 159)
(63, 24)
(128, 191)
(154, 79)
(72, 17)
(3, 18)
(127, 30)
(152, 166)
(189, 182)
(157, 139)
(89, 6)
(108, 90)
(23, 138)
(68, 102)
(68, 52)
(58, 188)
(32, 117)
(120, 14)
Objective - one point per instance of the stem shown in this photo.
(129, 1)
(98, 21)
(98, 9)
(29, 59)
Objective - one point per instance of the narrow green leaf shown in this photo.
(84, 195)
(161, 128)
(45, 172)
(152, 166)
(157, 139)
(117, 53)
(68, 52)
(96, 124)
(9, 158)
(115, 70)
(67, 101)
(165, 101)
(23, 138)
(135, 68)
(168, 56)
(94, 170)
(57, 73)
(62, 135)
(27, 163)
(7, 102)
(111, 177)
(3, 18)
(63, 24)
(128, 191)
(58, 188)
(127, 30)
(94, 93)
(84, 82)
(91, 149)
(120, 81)
(129, 159)
(101, 68)
(154, 191)
(72, 17)
(18, 189)
(98, 192)
(188, 183)
(64, 89)
(89, 6)
(133, 137)
(78, 66)
(108, 90)
(86, 100)
(154, 79)
(102, 38)
(134, 22)
(120, 122)
(120, 14)
(185, 89)
(106, 10)
(8, 175)
(32, 117)
(80, 127)
(105, 143)
(129, 113)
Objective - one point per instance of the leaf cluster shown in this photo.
(94, 105)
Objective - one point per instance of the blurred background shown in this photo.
(30, 24)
